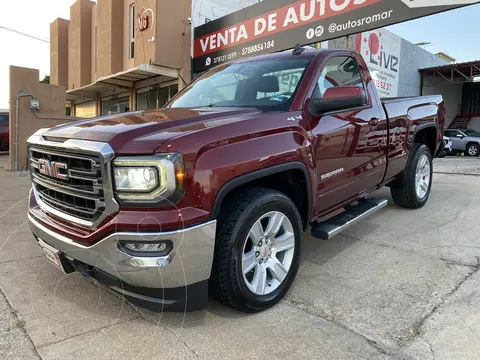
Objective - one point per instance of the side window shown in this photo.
(3, 119)
(448, 133)
(339, 71)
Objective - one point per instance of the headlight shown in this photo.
(141, 179)
(147, 180)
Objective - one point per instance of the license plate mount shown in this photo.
(53, 255)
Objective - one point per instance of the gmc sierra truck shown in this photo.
(4, 130)
(212, 193)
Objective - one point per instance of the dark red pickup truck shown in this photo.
(4, 131)
(212, 194)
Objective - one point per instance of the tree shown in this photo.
(46, 80)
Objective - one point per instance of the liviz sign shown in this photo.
(275, 25)
(381, 50)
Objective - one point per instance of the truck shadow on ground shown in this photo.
(314, 251)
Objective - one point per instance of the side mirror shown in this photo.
(460, 136)
(337, 99)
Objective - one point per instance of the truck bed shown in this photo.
(400, 106)
(421, 99)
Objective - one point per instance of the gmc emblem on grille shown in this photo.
(52, 168)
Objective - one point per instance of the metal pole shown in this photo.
(17, 107)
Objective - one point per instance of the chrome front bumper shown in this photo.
(189, 262)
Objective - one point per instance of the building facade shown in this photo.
(121, 55)
(394, 62)
(204, 11)
(117, 56)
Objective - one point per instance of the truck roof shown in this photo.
(285, 54)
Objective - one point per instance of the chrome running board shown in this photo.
(352, 215)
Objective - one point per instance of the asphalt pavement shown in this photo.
(402, 284)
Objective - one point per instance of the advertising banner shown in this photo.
(381, 50)
(275, 25)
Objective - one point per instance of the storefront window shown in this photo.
(156, 98)
(85, 110)
(115, 106)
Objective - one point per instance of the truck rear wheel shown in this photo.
(413, 189)
(257, 250)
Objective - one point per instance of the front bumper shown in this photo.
(187, 266)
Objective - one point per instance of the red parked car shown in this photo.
(213, 193)
(4, 132)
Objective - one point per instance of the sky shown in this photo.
(451, 32)
(31, 17)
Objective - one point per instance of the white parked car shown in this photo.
(465, 141)
(448, 147)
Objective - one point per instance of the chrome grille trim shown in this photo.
(91, 184)
(98, 204)
(61, 187)
(67, 205)
(94, 166)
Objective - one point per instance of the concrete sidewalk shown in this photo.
(400, 285)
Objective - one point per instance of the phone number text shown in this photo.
(223, 58)
(258, 47)
(383, 85)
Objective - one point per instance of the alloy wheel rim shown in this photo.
(472, 150)
(267, 254)
(423, 177)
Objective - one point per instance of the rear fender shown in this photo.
(421, 118)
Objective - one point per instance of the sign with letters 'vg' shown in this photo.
(275, 25)
(381, 50)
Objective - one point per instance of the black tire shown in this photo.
(403, 190)
(472, 150)
(227, 283)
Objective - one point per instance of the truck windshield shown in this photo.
(265, 84)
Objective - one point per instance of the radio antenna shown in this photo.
(298, 50)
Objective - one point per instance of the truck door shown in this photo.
(349, 145)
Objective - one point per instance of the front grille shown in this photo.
(74, 188)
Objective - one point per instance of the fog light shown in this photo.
(157, 249)
(147, 247)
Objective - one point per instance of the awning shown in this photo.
(123, 80)
(455, 73)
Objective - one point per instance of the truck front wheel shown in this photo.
(257, 250)
(413, 188)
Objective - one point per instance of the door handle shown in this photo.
(373, 122)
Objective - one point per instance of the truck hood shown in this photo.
(142, 132)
